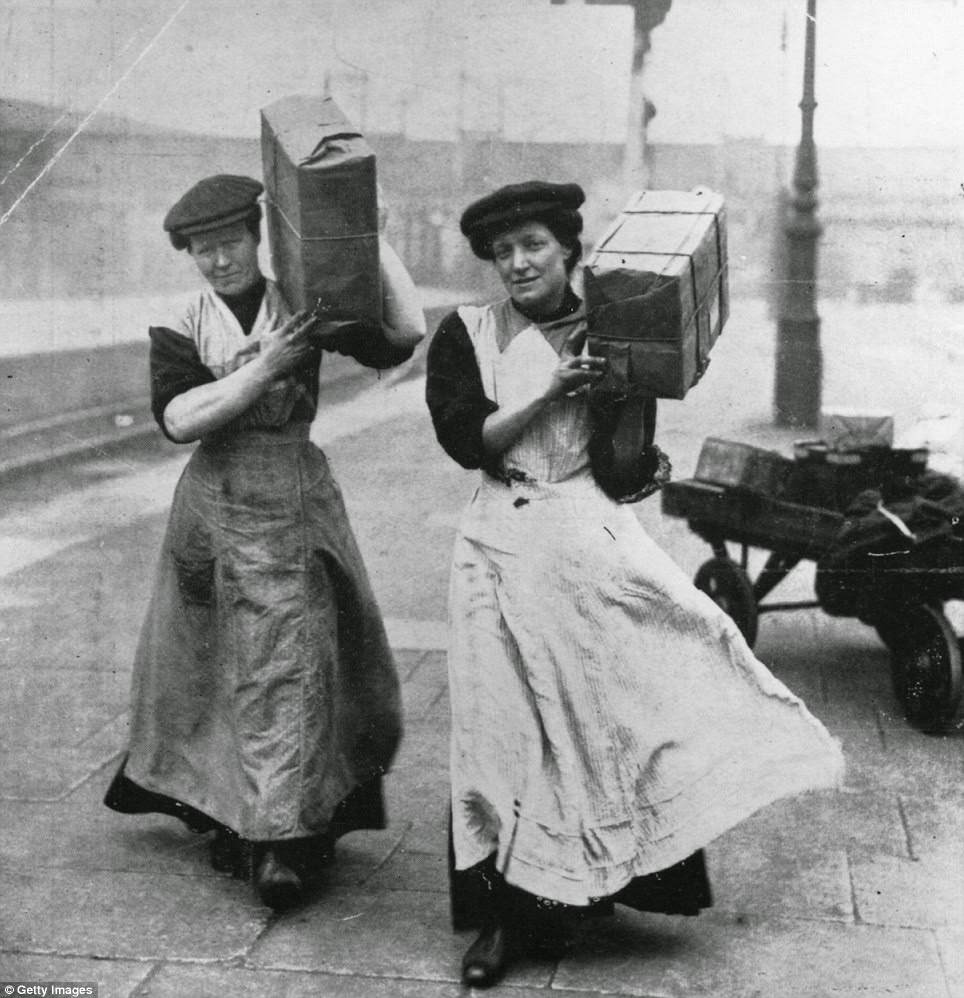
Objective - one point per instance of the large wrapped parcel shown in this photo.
(322, 208)
(656, 292)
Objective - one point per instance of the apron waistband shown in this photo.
(290, 433)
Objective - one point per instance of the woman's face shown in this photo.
(227, 257)
(532, 265)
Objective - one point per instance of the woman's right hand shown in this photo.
(286, 346)
(208, 407)
(575, 369)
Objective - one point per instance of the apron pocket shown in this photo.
(195, 579)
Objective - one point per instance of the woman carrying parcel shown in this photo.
(608, 719)
(265, 698)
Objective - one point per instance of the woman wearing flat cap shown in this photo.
(265, 698)
(608, 719)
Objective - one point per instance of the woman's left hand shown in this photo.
(575, 369)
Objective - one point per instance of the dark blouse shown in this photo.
(459, 407)
(454, 393)
(175, 368)
(176, 365)
(246, 305)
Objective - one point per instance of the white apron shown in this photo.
(608, 718)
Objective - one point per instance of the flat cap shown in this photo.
(518, 202)
(211, 203)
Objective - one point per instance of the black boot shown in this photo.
(278, 886)
(486, 960)
(548, 928)
(310, 857)
(230, 853)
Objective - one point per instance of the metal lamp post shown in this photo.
(799, 363)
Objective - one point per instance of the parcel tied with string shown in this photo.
(322, 208)
(656, 292)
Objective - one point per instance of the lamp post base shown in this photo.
(799, 373)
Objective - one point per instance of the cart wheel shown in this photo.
(731, 590)
(926, 668)
(888, 632)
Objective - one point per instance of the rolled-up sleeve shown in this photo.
(176, 367)
(455, 395)
(368, 345)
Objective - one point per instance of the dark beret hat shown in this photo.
(211, 203)
(517, 203)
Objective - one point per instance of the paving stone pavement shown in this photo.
(848, 893)
(857, 893)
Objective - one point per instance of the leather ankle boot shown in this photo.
(230, 854)
(278, 886)
(486, 960)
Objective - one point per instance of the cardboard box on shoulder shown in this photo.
(656, 290)
(322, 207)
(736, 465)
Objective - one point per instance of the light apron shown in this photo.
(608, 719)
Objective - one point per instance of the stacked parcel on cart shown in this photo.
(887, 536)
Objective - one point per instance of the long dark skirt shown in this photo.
(364, 807)
(480, 894)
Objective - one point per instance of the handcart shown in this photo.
(901, 595)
